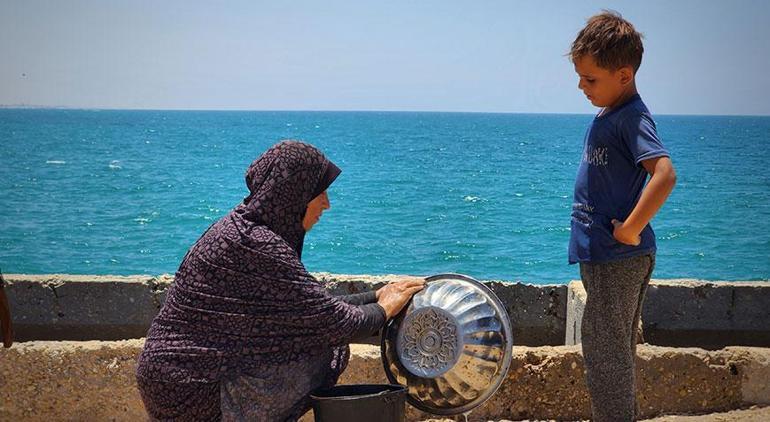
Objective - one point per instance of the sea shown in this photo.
(488, 195)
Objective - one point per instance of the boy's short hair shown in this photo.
(610, 40)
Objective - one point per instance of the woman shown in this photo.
(245, 332)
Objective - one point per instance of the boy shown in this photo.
(610, 235)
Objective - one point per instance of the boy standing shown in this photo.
(610, 235)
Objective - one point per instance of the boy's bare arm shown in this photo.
(662, 181)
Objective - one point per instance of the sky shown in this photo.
(701, 57)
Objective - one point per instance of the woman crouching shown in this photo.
(246, 333)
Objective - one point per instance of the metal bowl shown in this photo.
(451, 347)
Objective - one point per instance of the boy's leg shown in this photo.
(615, 291)
(640, 304)
(635, 324)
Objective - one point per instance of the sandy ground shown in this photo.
(751, 414)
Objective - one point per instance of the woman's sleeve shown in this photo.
(374, 319)
(329, 319)
(360, 298)
(374, 314)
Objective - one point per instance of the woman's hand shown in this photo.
(394, 296)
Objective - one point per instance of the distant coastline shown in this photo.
(384, 111)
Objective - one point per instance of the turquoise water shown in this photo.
(127, 192)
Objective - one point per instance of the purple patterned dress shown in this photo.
(245, 332)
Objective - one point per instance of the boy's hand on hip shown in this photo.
(623, 235)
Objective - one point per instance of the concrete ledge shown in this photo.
(44, 381)
(82, 307)
(710, 315)
(676, 312)
(537, 312)
(576, 305)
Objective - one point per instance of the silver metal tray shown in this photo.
(451, 346)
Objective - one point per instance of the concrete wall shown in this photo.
(79, 307)
(576, 305)
(711, 315)
(46, 381)
(676, 312)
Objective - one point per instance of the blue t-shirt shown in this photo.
(610, 180)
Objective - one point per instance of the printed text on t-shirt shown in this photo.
(596, 156)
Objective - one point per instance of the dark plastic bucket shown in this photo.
(360, 402)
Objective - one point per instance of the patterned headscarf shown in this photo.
(281, 183)
(241, 298)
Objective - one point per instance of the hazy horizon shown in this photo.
(224, 110)
(432, 56)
